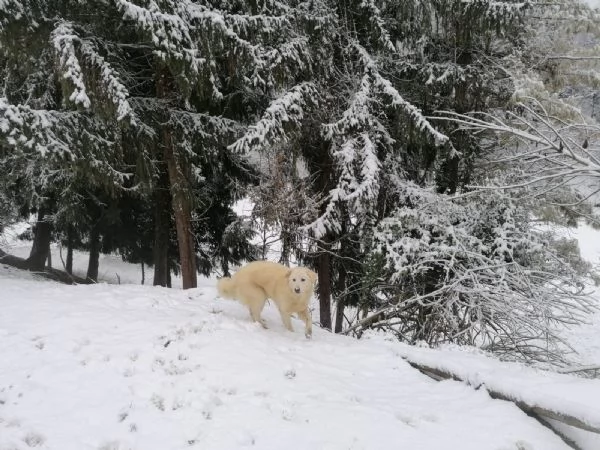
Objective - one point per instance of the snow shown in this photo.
(286, 109)
(552, 391)
(63, 39)
(586, 338)
(115, 367)
(136, 367)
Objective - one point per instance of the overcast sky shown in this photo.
(593, 3)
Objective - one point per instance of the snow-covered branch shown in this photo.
(64, 40)
(171, 36)
(284, 112)
(111, 85)
(63, 136)
(357, 187)
(552, 150)
(373, 13)
(475, 272)
(359, 114)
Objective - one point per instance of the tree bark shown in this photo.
(49, 256)
(160, 253)
(324, 273)
(94, 261)
(70, 244)
(41, 243)
(341, 301)
(180, 195)
(143, 273)
(183, 215)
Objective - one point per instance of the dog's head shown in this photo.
(301, 280)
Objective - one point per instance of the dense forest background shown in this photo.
(415, 154)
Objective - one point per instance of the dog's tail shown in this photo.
(226, 287)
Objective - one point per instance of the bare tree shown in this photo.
(544, 151)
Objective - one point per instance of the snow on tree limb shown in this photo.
(284, 112)
(385, 87)
(357, 138)
(64, 39)
(357, 187)
(480, 274)
(31, 129)
(10, 10)
(111, 85)
(554, 150)
(170, 35)
(76, 58)
(373, 13)
(358, 115)
(65, 136)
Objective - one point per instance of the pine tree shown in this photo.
(389, 66)
(162, 85)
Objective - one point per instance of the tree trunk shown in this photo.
(70, 244)
(324, 273)
(41, 243)
(49, 256)
(180, 195)
(143, 273)
(183, 215)
(341, 301)
(94, 261)
(162, 218)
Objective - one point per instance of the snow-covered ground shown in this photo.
(585, 339)
(555, 392)
(116, 367)
(135, 367)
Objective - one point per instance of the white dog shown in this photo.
(290, 289)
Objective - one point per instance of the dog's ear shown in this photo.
(313, 276)
(288, 273)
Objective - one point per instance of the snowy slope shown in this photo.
(134, 367)
(560, 393)
(585, 339)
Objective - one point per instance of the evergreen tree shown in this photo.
(169, 81)
(389, 66)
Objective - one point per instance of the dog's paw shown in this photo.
(308, 335)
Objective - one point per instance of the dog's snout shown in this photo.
(297, 290)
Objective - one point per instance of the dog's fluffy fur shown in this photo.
(290, 290)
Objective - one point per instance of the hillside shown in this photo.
(131, 367)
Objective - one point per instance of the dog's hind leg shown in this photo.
(306, 317)
(255, 310)
(255, 298)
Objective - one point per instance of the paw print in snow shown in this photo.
(158, 401)
(33, 439)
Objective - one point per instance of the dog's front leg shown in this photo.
(286, 318)
(306, 317)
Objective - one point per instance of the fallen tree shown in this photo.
(47, 272)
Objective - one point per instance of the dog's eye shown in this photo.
(294, 279)
(303, 280)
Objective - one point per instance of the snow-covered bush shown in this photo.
(474, 271)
